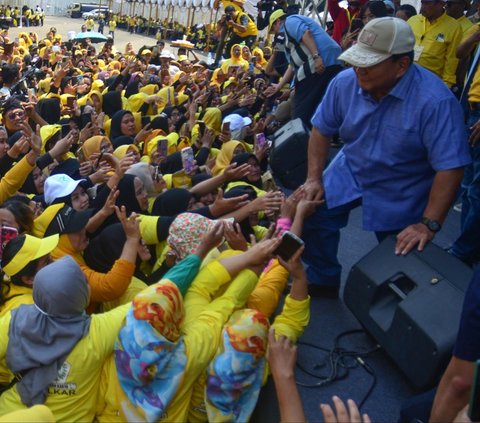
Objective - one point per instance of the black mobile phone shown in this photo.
(290, 244)
(474, 405)
(201, 127)
(85, 118)
(97, 163)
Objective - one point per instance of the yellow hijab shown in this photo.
(225, 156)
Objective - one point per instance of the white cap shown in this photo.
(237, 121)
(58, 186)
(166, 54)
(380, 39)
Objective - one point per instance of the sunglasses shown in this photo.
(13, 115)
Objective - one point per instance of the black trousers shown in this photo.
(309, 93)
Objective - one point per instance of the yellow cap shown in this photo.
(32, 249)
(274, 16)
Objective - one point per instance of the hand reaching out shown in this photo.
(341, 415)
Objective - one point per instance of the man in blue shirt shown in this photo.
(405, 149)
(313, 60)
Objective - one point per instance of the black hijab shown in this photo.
(112, 102)
(172, 164)
(172, 202)
(122, 140)
(49, 110)
(132, 88)
(116, 125)
(127, 196)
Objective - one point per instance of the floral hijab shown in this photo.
(235, 375)
(150, 354)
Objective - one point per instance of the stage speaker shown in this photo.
(411, 305)
(288, 156)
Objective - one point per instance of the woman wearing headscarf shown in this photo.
(49, 109)
(96, 145)
(105, 249)
(124, 123)
(151, 177)
(224, 158)
(112, 103)
(235, 62)
(172, 355)
(57, 348)
(253, 179)
(22, 258)
(63, 220)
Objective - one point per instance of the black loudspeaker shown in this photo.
(411, 305)
(288, 156)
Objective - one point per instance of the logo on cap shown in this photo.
(368, 37)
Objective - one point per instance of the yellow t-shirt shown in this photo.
(73, 396)
(436, 45)
(16, 296)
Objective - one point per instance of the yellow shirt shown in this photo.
(201, 337)
(436, 44)
(474, 91)
(465, 23)
(16, 296)
(73, 396)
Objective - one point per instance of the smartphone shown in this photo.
(290, 244)
(260, 141)
(474, 404)
(201, 127)
(226, 127)
(99, 160)
(162, 147)
(70, 101)
(188, 160)
(31, 94)
(7, 233)
(85, 119)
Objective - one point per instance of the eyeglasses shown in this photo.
(16, 114)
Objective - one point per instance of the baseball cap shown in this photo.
(274, 16)
(380, 39)
(58, 186)
(60, 219)
(166, 54)
(32, 249)
(237, 121)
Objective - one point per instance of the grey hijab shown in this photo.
(41, 335)
(142, 171)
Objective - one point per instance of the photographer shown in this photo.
(242, 28)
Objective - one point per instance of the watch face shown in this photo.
(434, 226)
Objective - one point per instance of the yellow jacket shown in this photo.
(438, 43)
(72, 397)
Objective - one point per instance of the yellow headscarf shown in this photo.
(225, 156)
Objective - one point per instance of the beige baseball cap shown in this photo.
(380, 39)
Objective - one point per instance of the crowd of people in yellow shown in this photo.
(143, 239)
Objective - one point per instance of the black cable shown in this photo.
(340, 361)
